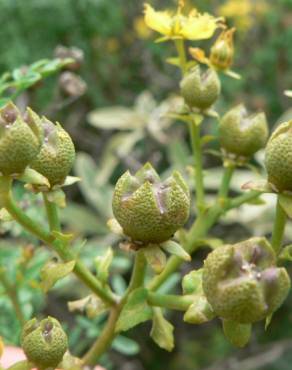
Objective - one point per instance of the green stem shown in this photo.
(279, 228)
(12, 294)
(58, 246)
(108, 334)
(180, 47)
(244, 198)
(173, 302)
(225, 184)
(194, 127)
(52, 213)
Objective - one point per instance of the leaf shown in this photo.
(162, 331)
(54, 271)
(102, 264)
(286, 204)
(70, 180)
(118, 118)
(66, 238)
(176, 249)
(91, 305)
(5, 215)
(237, 334)
(58, 197)
(96, 194)
(31, 176)
(199, 312)
(192, 282)
(135, 311)
(155, 257)
(82, 219)
(126, 346)
(286, 253)
(268, 320)
(115, 227)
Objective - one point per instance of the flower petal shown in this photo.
(199, 27)
(158, 21)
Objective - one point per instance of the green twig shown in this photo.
(194, 127)
(108, 334)
(173, 302)
(180, 47)
(279, 228)
(52, 213)
(57, 245)
(225, 184)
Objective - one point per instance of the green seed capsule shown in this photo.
(200, 90)
(57, 154)
(44, 342)
(242, 134)
(21, 137)
(279, 158)
(151, 211)
(242, 283)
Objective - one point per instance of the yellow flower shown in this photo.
(221, 55)
(193, 26)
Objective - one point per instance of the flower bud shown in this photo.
(242, 134)
(242, 283)
(222, 52)
(44, 343)
(149, 210)
(200, 90)
(57, 154)
(279, 158)
(20, 139)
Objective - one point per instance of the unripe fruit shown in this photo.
(222, 52)
(44, 343)
(20, 139)
(151, 211)
(279, 158)
(57, 154)
(200, 90)
(242, 283)
(242, 134)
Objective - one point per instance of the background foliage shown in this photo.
(121, 63)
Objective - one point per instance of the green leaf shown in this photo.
(102, 264)
(70, 180)
(199, 312)
(135, 311)
(155, 257)
(286, 253)
(286, 204)
(31, 176)
(162, 331)
(176, 249)
(115, 227)
(118, 118)
(54, 271)
(268, 321)
(58, 197)
(236, 333)
(22, 365)
(192, 282)
(5, 215)
(126, 346)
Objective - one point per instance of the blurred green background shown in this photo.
(121, 62)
